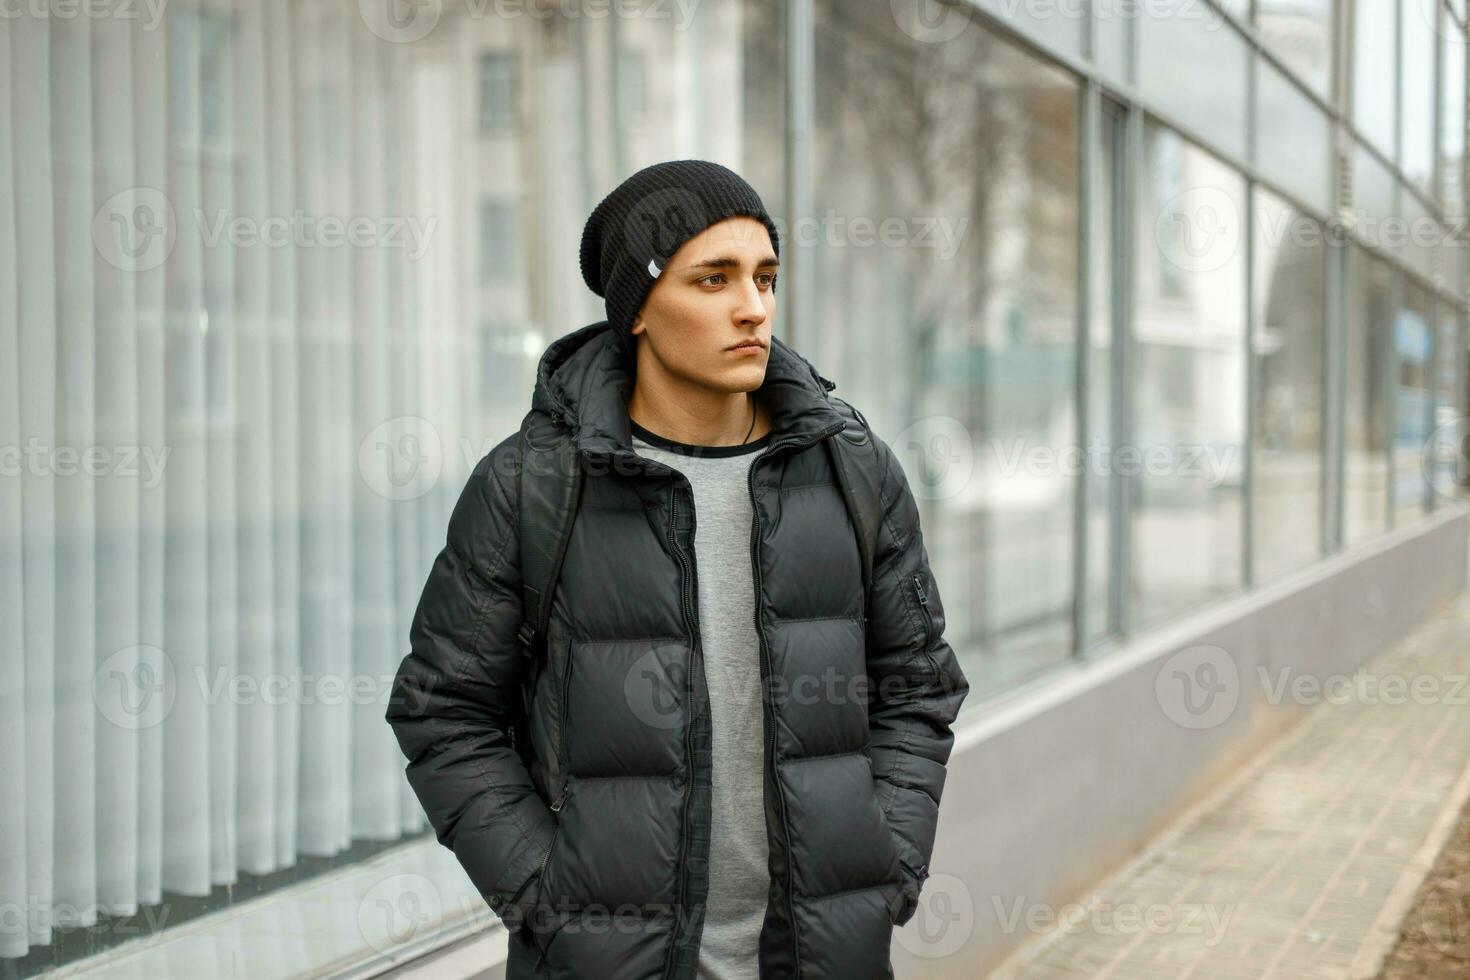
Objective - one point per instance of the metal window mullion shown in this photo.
(1390, 386)
(1125, 486)
(1252, 390)
(1087, 188)
(797, 265)
(1252, 381)
(1431, 389)
(1398, 93)
(1334, 423)
(614, 78)
(1462, 375)
(1436, 170)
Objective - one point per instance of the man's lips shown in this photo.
(750, 345)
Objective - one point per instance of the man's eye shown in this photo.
(765, 278)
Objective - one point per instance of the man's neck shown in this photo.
(694, 414)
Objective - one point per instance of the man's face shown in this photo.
(714, 294)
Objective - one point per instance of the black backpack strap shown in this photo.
(859, 474)
(549, 484)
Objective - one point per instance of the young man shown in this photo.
(734, 739)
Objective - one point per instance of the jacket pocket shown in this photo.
(889, 843)
(563, 752)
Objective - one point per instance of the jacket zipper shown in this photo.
(765, 660)
(556, 808)
(541, 872)
(688, 728)
(923, 598)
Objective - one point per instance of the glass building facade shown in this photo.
(1158, 302)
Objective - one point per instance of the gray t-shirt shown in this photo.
(738, 872)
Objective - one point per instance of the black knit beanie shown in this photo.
(637, 228)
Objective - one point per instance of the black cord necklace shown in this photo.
(752, 423)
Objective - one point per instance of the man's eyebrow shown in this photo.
(730, 262)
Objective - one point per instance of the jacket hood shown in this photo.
(586, 378)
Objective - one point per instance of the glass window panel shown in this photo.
(1370, 314)
(497, 91)
(1193, 66)
(1375, 72)
(1290, 292)
(1419, 49)
(1448, 462)
(1449, 258)
(1452, 135)
(1294, 139)
(1189, 379)
(1375, 194)
(1299, 32)
(955, 330)
(499, 242)
(1418, 239)
(632, 85)
(1413, 347)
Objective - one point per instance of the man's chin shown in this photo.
(743, 377)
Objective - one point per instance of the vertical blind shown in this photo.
(197, 634)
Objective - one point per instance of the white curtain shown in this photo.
(180, 634)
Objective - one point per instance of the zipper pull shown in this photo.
(919, 589)
(556, 807)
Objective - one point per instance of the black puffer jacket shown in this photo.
(595, 852)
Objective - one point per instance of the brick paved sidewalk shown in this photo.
(1306, 863)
